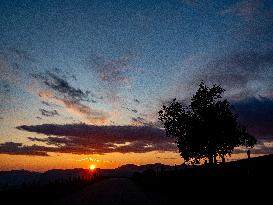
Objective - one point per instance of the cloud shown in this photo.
(12, 148)
(140, 121)
(45, 103)
(263, 147)
(113, 71)
(257, 115)
(136, 100)
(19, 53)
(245, 8)
(13, 65)
(59, 91)
(88, 114)
(49, 113)
(90, 159)
(7, 69)
(62, 86)
(130, 109)
(190, 2)
(240, 73)
(113, 74)
(91, 139)
(255, 25)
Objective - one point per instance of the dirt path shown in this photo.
(110, 191)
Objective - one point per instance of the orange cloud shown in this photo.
(89, 115)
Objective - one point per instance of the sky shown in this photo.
(82, 81)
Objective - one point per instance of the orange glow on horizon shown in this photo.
(92, 167)
(106, 161)
(71, 161)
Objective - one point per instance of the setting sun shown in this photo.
(92, 167)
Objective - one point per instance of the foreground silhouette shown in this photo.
(116, 191)
(239, 181)
(244, 181)
(207, 128)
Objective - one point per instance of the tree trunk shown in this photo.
(214, 159)
(211, 160)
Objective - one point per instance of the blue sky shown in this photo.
(116, 62)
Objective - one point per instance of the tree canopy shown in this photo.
(206, 128)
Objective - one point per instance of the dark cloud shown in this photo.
(93, 101)
(113, 74)
(263, 147)
(257, 115)
(240, 73)
(130, 109)
(45, 103)
(250, 62)
(19, 53)
(189, 2)
(6, 88)
(245, 8)
(256, 20)
(90, 139)
(19, 149)
(62, 86)
(49, 113)
(113, 71)
(136, 100)
(140, 121)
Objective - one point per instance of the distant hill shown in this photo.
(17, 178)
(129, 169)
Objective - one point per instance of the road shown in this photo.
(109, 191)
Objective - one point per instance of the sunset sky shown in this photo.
(82, 81)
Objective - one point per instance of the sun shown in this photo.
(92, 167)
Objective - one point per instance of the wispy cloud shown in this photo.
(130, 109)
(12, 62)
(62, 86)
(189, 2)
(19, 53)
(113, 74)
(45, 103)
(8, 70)
(137, 100)
(242, 74)
(140, 121)
(90, 159)
(56, 89)
(244, 8)
(89, 115)
(49, 113)
(263, 147)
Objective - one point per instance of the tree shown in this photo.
(207, 128)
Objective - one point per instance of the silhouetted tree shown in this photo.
(207, 128)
